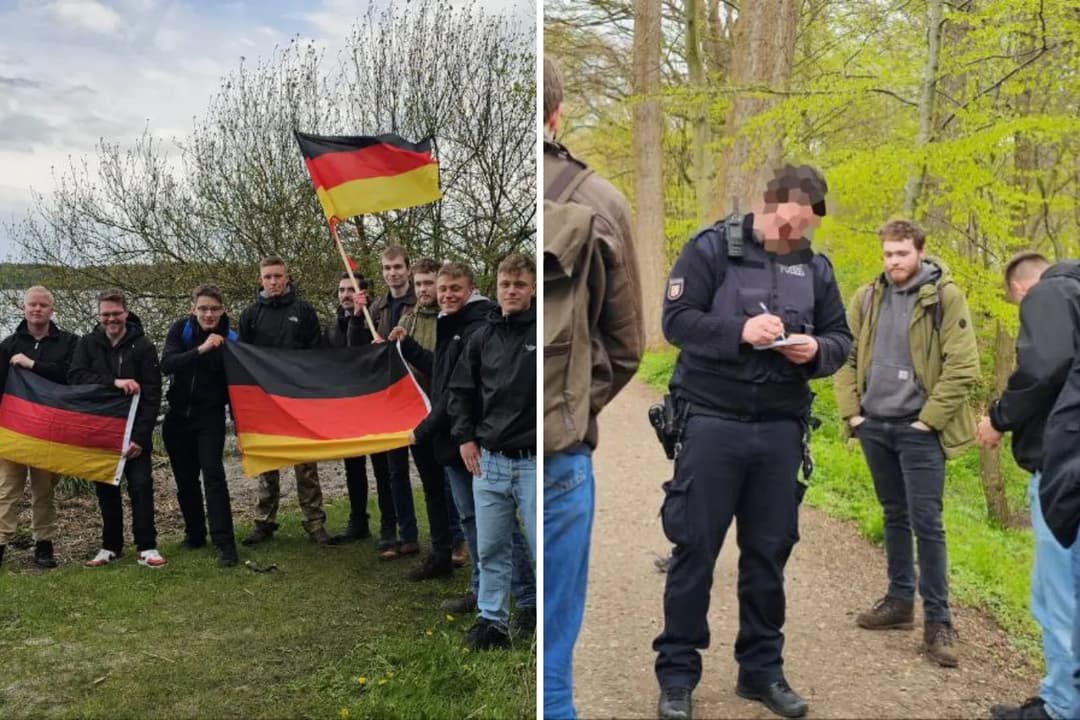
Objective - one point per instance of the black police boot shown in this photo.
(2, 549)
(260, 533)
(43, 554)
(1031, 709)
(353, 531)
(193, 542)
(461, 605)
(675, 704)
(778, 697)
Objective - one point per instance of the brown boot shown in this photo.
(888, 613)
(939, 642)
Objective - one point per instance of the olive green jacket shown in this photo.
(945, 360)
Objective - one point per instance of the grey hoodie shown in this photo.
(892, 390)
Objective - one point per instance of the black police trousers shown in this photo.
(727, 470)
(196, 445)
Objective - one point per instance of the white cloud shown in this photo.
(85, 15)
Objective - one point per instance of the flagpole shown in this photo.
(348, 269)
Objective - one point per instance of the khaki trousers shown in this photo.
(42, 498)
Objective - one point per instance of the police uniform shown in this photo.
(742, 445)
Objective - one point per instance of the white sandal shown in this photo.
(103, 557)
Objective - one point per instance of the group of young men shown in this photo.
(756, 314)
(475, 453)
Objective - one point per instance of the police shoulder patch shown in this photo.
(675, 288)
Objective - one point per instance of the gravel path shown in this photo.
(834, 573)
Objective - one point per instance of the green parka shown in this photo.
(945, 359)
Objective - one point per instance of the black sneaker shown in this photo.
(260, 533)
(486, 635)
(228, 557)
(1031, 709)
(43, 554)
(460, 605)
(524, 623)
(434, 567)
(351, 533)
(675, 704)
(193, 543)
(2, 549)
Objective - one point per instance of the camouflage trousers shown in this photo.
(307, 491)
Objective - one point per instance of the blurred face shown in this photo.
(345, 295)
(274, 279)
(515, 291)
(37, 309)
(113, 317)
(424, 286)
(207, 311)
(453, 293)
(396, 275)
(902, 260)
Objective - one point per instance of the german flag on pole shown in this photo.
(360, 175)
(300, 406)
(78, 430)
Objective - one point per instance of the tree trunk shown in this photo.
(993, 482)
(914, 185)
(648, 164)
(701, 158)
(762, 53)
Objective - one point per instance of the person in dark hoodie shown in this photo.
(463, 311)
(194, 427)
(1049, 299)
(345, 330)
(117, 353)
(42, 348)
(492, 407)
(279, 319)
(903, 392)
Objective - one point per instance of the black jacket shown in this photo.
(493, 388)
(709, 298)
(98, 362)
(346, 331)
(198, 386)
(452, 333)
(285, 321)
(1045, 347)
(51, 355)
(1059, 486)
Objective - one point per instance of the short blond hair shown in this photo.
(39, 290)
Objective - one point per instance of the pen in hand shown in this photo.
(783, 336)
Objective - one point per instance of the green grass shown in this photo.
(990, 566)
(195, 640)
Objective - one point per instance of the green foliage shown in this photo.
(192, 639)
(990, 566)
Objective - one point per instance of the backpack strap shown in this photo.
(566, 182)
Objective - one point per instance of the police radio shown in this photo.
(734, 223)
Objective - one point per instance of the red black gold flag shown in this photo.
(78, 430)
(299, 406)
(359, 175)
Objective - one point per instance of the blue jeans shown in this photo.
(391, 470)
(523, 583)
(1053, 605)
(569, 499)
(457, 533)
(1075, 575)
(506, 486)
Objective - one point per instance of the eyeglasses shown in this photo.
(209, 309)
(110, 315)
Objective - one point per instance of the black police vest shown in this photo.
(757, 382)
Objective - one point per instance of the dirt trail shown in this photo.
(844, 672)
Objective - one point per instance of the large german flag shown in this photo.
(298, 406)
(358, 175)
(78, 430)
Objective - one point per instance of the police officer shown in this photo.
(755, 314)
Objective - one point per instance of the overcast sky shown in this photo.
(75, 71)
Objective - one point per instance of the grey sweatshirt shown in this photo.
(892, 391)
